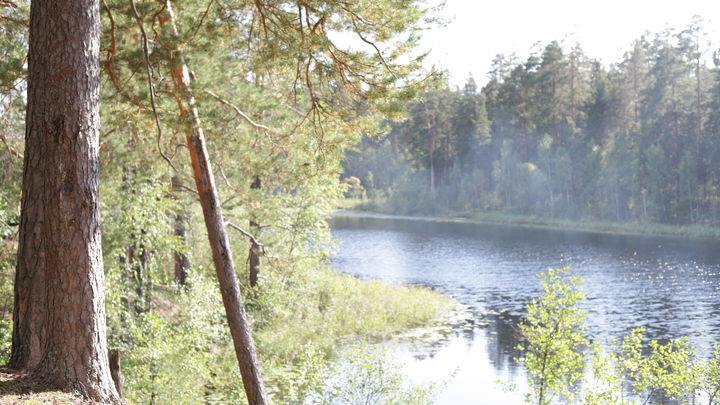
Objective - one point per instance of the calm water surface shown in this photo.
(670, 287)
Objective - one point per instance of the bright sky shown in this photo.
(605, 29)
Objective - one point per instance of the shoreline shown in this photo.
(653, 230)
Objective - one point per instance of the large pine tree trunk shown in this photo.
(59, 331)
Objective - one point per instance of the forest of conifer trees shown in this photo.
(563, 135)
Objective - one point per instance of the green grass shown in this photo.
(340, 306)
(613, 227)
(600, 226)
(181, 353)
(309, 325)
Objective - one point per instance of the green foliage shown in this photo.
(326, 307)
(295, 382)
(13, 54)
(181, 353)
(603, 380)
(139, 242)
(363, 377)
(5, 340)
(174, 340)
(555, 334)
(564, 367)
(708, 376)
(372, 378)
(13, 37)
(8, 248)
(666, 369)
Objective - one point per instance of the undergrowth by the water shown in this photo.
(181, 352)
(335, 306)
(364, 375)
(174, 343)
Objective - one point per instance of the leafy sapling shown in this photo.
(554, 333)
(708, 376)
(666, 370)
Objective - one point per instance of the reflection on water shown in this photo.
(669, 287)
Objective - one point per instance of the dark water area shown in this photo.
(668, 286)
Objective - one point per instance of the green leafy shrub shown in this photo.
(708, 376)
(362, 376)
(554, 332)
(666, 369)
(564, 367)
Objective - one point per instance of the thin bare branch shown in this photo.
(253, 239)
(295, 110)
(232, 197)
(110, 61)
(15, 20)
(12, 150)
(108, 133)
(146, 55)
(202, 19)
(371, 43)
(239, 112)
(246, 233)
(186, 188)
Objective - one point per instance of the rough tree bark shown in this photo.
(59, 331)
(254, 254)
(182, 262)
(215, 224)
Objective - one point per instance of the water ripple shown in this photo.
(668, 287)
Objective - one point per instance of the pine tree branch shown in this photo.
(202, 20)
(146, 54)
(239, 112)
(12, 150)
(8, 3)
(371, 43)
(246, 233)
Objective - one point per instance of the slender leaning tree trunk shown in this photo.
(59, 331)
(215, 225)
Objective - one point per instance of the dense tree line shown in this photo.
(561, 134)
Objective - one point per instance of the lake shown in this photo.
(668, 286)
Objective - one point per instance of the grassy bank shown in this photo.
(697, 232)
(300, 320)
(341, 307)
(332, 312)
